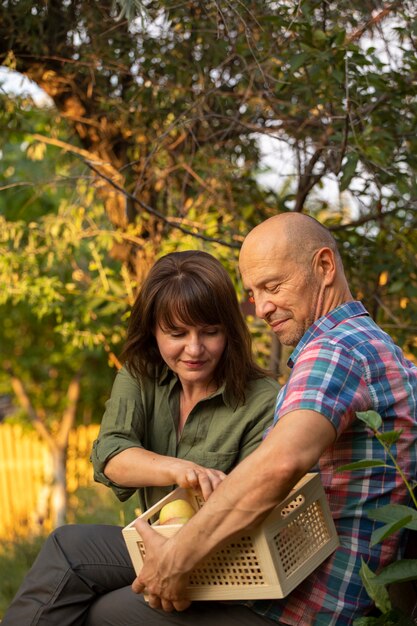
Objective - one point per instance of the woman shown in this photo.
(187, 406)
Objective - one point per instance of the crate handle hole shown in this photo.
(293, 505)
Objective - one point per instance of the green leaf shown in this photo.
(298, 60)
(399, 571)
(349, 170)
(375, 590)
(340, 38)
(390, 437)
(391, 618)
(392, 513)
(396, 286)
(389, 529)
(371, 419)
(358, 465)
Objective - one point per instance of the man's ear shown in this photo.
(325, 265)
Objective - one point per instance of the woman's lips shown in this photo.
(195, 364)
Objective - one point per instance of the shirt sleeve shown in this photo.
(327, 379)
(122, 427)
(260, 403)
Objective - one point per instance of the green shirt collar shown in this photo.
(168, 377)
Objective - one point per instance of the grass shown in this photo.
(93, 505)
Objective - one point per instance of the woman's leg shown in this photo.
(76, 564)
(126, 608)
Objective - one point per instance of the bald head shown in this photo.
(290, 235)
(292, 268)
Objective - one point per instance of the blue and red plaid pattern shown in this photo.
(343, 364)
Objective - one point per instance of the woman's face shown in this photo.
(192, 352)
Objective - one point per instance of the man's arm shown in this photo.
(242, 500)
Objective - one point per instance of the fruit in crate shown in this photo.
(176, 512)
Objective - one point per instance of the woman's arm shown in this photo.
(137, 467)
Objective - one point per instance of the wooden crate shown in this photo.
(266, 562)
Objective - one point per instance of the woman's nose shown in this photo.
(194, 346)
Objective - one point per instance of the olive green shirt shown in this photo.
(217, 434)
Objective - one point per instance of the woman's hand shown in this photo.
(137, 467)
(192, 476)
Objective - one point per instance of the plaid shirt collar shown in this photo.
(325, 323)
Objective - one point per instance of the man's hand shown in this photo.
(159, 580)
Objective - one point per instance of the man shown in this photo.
(342, 363)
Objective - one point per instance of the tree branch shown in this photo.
(92, 161)
(372, 217)
(68, 416)
(81, 152)
(26, 404)
(374, 20)
(159, 215)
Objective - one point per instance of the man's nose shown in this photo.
(263, 307)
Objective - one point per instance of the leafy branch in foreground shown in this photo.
(394, 517)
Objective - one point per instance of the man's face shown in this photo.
(287, 294)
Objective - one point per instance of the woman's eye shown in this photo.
(211, 331)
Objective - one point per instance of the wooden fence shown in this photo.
(26, 476)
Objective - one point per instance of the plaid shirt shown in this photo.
(345, 363)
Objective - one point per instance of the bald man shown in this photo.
(342, 363)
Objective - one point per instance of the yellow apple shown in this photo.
(176, 512)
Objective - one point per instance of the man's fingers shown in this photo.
(181, 605)
(155, 601)
(167, 605)
(138, 587)
(144, 529)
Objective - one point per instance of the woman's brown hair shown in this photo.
(195, 288)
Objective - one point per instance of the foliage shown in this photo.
(159, 107)
(381, 270)
(392, 618)
(63, 311)
(15, 560)
(394, 518)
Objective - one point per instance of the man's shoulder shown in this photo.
(353, 333)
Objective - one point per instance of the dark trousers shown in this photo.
(83, 576)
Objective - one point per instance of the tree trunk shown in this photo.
(57, 444)
(58, 499)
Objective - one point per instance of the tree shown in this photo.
(52, 286)
(166, 102)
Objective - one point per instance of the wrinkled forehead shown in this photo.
(260, 253)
